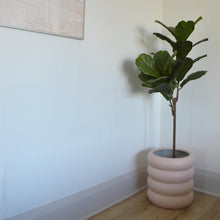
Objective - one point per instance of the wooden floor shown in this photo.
(139, 207)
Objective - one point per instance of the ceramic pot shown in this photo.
(170, 180)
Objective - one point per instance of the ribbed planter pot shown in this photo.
(170, 180)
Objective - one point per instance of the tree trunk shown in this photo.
(174, 129)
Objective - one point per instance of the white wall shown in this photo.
(72, 114)
(198, 121)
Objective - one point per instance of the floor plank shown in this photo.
(138, 207)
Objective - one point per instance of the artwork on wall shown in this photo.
(57, 17)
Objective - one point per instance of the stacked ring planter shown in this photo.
(170, 180)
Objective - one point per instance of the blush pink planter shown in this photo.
(170, 180)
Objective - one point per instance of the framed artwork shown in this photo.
(57, 17)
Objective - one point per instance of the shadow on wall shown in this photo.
(148, 44)
(147, 40)
(141, 168)
(131, 73)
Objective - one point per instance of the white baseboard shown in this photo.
(89, 202)
(206, 192)
(207, 181)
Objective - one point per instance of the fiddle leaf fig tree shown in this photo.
(168, 73)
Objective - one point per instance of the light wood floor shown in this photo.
(138, 207)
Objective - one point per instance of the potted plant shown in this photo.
(170, 171)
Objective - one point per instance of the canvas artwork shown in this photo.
(58, 17)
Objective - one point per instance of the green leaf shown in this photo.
(144, 85)
(193, 76)
(145, 64)
(165, 95)
(170, 29)
(144, 78)
(150, 81)
(166, 89)
(199, 58)
(161, 60)
(163, 37)
(183, 30)
(182, 48)
(156, 82)
(183, 68)
(203, 40)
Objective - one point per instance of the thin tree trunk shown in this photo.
(174, 128)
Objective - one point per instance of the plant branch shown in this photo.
(198, 19)
(171, 106)
(173, 102)
(177, 93)
(174, 128)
